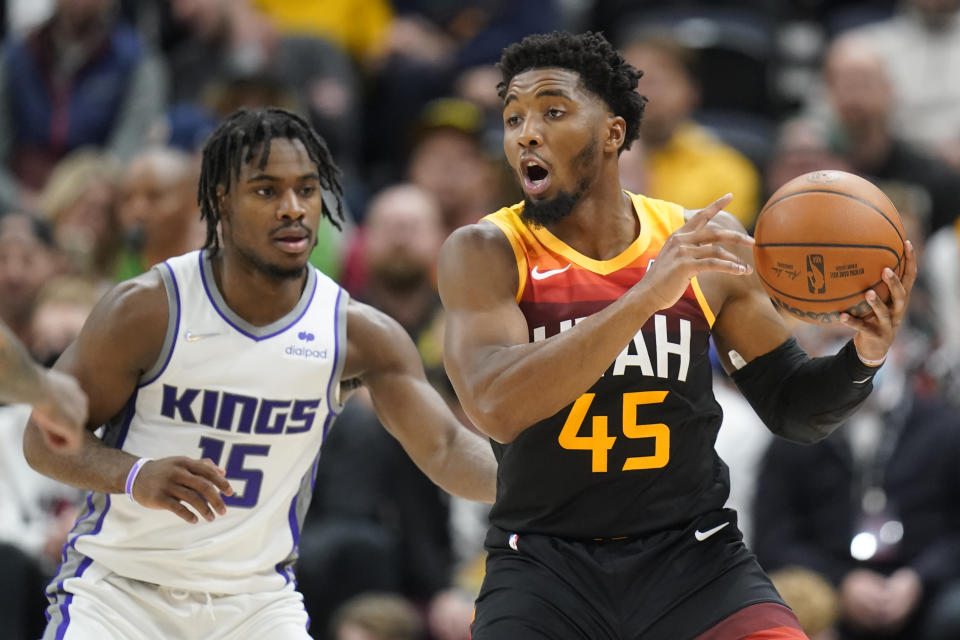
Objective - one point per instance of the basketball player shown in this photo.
(577, 337)
(217, 375)
(59, 405)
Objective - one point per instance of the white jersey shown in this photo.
(258, 402)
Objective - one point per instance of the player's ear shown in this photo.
(616, 133)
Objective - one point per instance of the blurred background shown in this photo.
(105, 105)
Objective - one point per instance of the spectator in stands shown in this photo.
(27, 260)
(685, 162)
(158, 210)
(920, 47)
(449, 161)
(876, 514)
(861, 97)
(82, 78)
(232, 45)
(79, 201)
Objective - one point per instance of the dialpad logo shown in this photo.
(816, 280)
(306, 336)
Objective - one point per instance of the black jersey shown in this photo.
(635, 453)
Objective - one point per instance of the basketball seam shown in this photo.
(839, 193)
(792, 297)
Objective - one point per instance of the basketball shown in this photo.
(822, 241)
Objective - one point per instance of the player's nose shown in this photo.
(290, 205)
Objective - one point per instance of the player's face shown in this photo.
(270, 215)
(553, 129)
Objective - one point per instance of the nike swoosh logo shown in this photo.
(536, 274)
(867, 379)
(189, 336)
(703, 535)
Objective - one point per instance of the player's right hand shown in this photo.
(62, 416)
(168, 482)
(691, 249)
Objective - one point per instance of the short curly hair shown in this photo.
(601, 67)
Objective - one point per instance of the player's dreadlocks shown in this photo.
(250, 131)
(602, 69)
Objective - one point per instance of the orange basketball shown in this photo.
(822, 241)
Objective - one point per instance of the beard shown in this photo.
(540, 213)
(543, 212)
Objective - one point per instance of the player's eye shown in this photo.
(264, 191)
(306, 192)
(554, 113)
(512, 121)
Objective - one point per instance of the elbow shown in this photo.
(34, 449)
(495, 420)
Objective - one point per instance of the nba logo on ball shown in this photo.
(838, 228)
(816, 280)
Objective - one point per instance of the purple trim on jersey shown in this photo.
(84, 564)
(206, 288)
(327, 423)
(131, 410)
(336, 356)
(65, 607)
(316, 464)
(176, 327)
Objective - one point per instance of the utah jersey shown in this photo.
(635, 453)
(257, 401)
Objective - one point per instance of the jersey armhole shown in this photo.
(340, 352)
(173, 325)
(518, 253)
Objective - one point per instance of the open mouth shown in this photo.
(536, 177)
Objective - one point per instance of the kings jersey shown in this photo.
(635, 453)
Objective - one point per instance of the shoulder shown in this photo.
(124, 334)
(479, 257)
(135, 309)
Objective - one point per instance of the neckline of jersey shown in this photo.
(601, 267)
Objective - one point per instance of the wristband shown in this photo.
(132, 477)
(872, 363)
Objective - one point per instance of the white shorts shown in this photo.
(100, 605)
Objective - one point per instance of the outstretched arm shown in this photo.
(119, 341)
(381, 354)
(495, 369)
(59, 405)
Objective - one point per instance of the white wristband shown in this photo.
(872, 363)
(132, 477)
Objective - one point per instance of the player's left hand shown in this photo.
(875, 333)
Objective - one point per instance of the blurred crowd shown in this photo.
(105, 106)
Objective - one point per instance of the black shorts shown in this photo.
(672, 585)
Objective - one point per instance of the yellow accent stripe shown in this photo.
(601, 267)
(707, 312)
(518, 252)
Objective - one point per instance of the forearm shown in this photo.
(95, 467)
(504, 392)
(804, 399)
(466, 467)
(21, 379)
